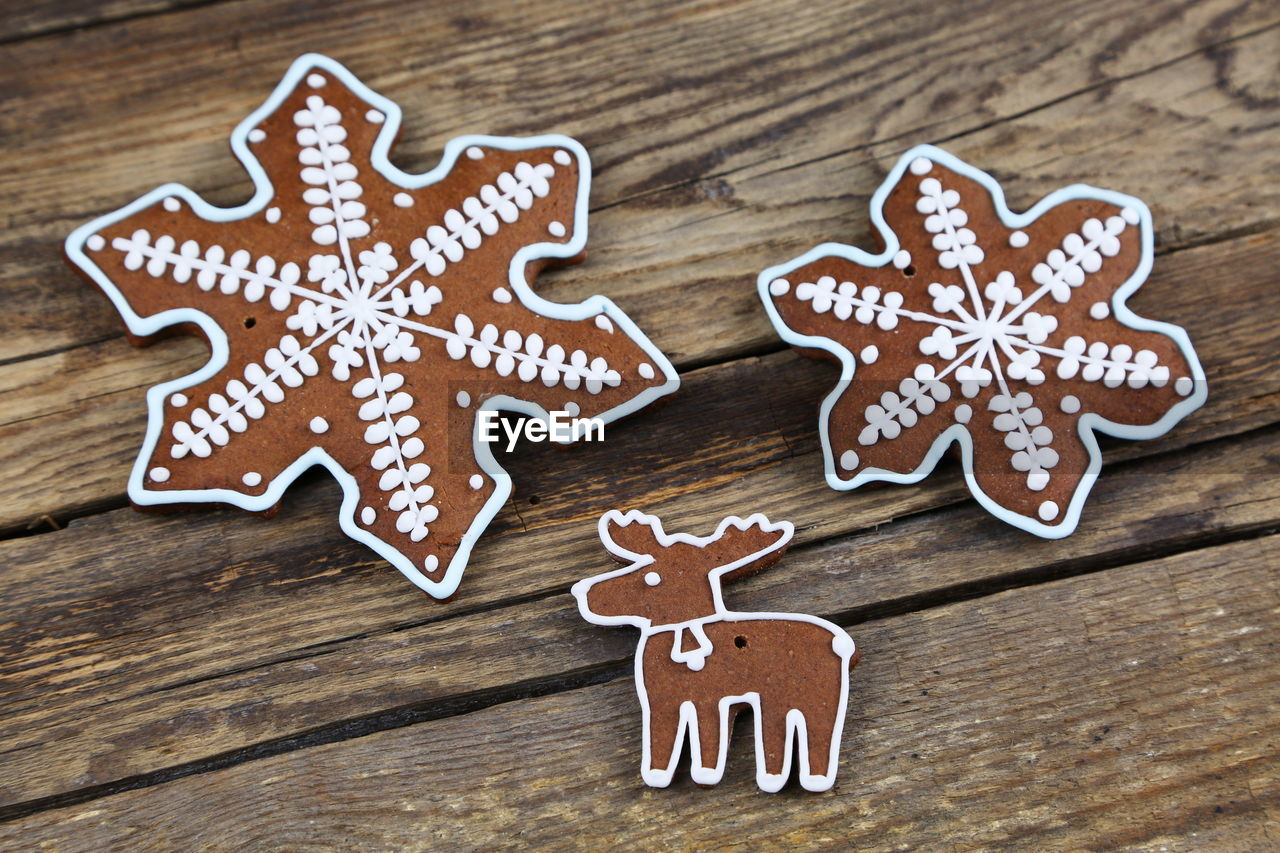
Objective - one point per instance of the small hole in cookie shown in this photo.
(250, 322)
(533, 499)
(909, 270)
(740, 641)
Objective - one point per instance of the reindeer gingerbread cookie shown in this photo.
(699, 663)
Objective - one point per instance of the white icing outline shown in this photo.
(687, 729)
(263, 193)
(1088, 424)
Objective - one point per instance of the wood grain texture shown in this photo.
(1112, 690)
(1120, 709)
(115, 672)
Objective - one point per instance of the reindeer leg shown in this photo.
(773, 748)
(711, 735)
(663, 737)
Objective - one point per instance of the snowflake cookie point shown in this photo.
(370, 311)
(1000, 338)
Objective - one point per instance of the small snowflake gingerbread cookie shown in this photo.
(364, 319)
(1004, 333)
(698, 663)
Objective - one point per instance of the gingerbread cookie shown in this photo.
(362, 318)
(698, 663)
(1004, 333)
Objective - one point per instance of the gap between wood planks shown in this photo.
(599, 673)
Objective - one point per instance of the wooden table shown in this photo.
(213, 680)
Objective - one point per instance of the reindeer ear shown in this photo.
(746, 546)
(630, 535)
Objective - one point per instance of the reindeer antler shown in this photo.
(744, 546)
(631, 535)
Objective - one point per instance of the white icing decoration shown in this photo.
(476, 481)
(645, 370)
(178, 400)
(556, 228)
(571, 409)
(501, 294)
(374, 116)
(644, 580)
(989, 334)
(403, 200)
(257, 135)
(171, 204)
(902, 259)
(603, 322)
(365, 306)
(159, 474)
(475, 152)
(870, 354)
(368, 515)
(251, 478)
(431, 563)
(1048, 511)
(463, 399)
(315, 81)
(849, 460)
(779, 286)
(562, 157)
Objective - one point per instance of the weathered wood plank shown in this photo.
(1133, 708)
(30, 20)
(779, 125)
(73, 421)
(126, 669)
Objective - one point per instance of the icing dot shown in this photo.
(257, 135)
(963, 413)
(605, 323)
(902, 260)
(646, 369)
(159, 474)
(1038, 480)
(562, 157)
(869, 354)
(1070, 404)
(171, 204)
(95, 242)
(273, 215)
(572, 409)
(319, 425)
(315, 81)
(252, 478)
(652, 578)
(178, 399)
(849, 460)
(374, 117)
(431, 563)
(1099, 310)
(501, 294)
(464, 399)
(1048, 511)
(779, 286)
(475, 153)
(1018, 239)
(367, 515)
(557, 229)
(476, 481)
(1129, 215)
(403, 200)
(921, 165)
(1183, 385)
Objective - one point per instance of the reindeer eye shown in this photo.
(652, 578)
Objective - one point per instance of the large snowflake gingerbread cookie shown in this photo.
(1004, 333)
(361, 318)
